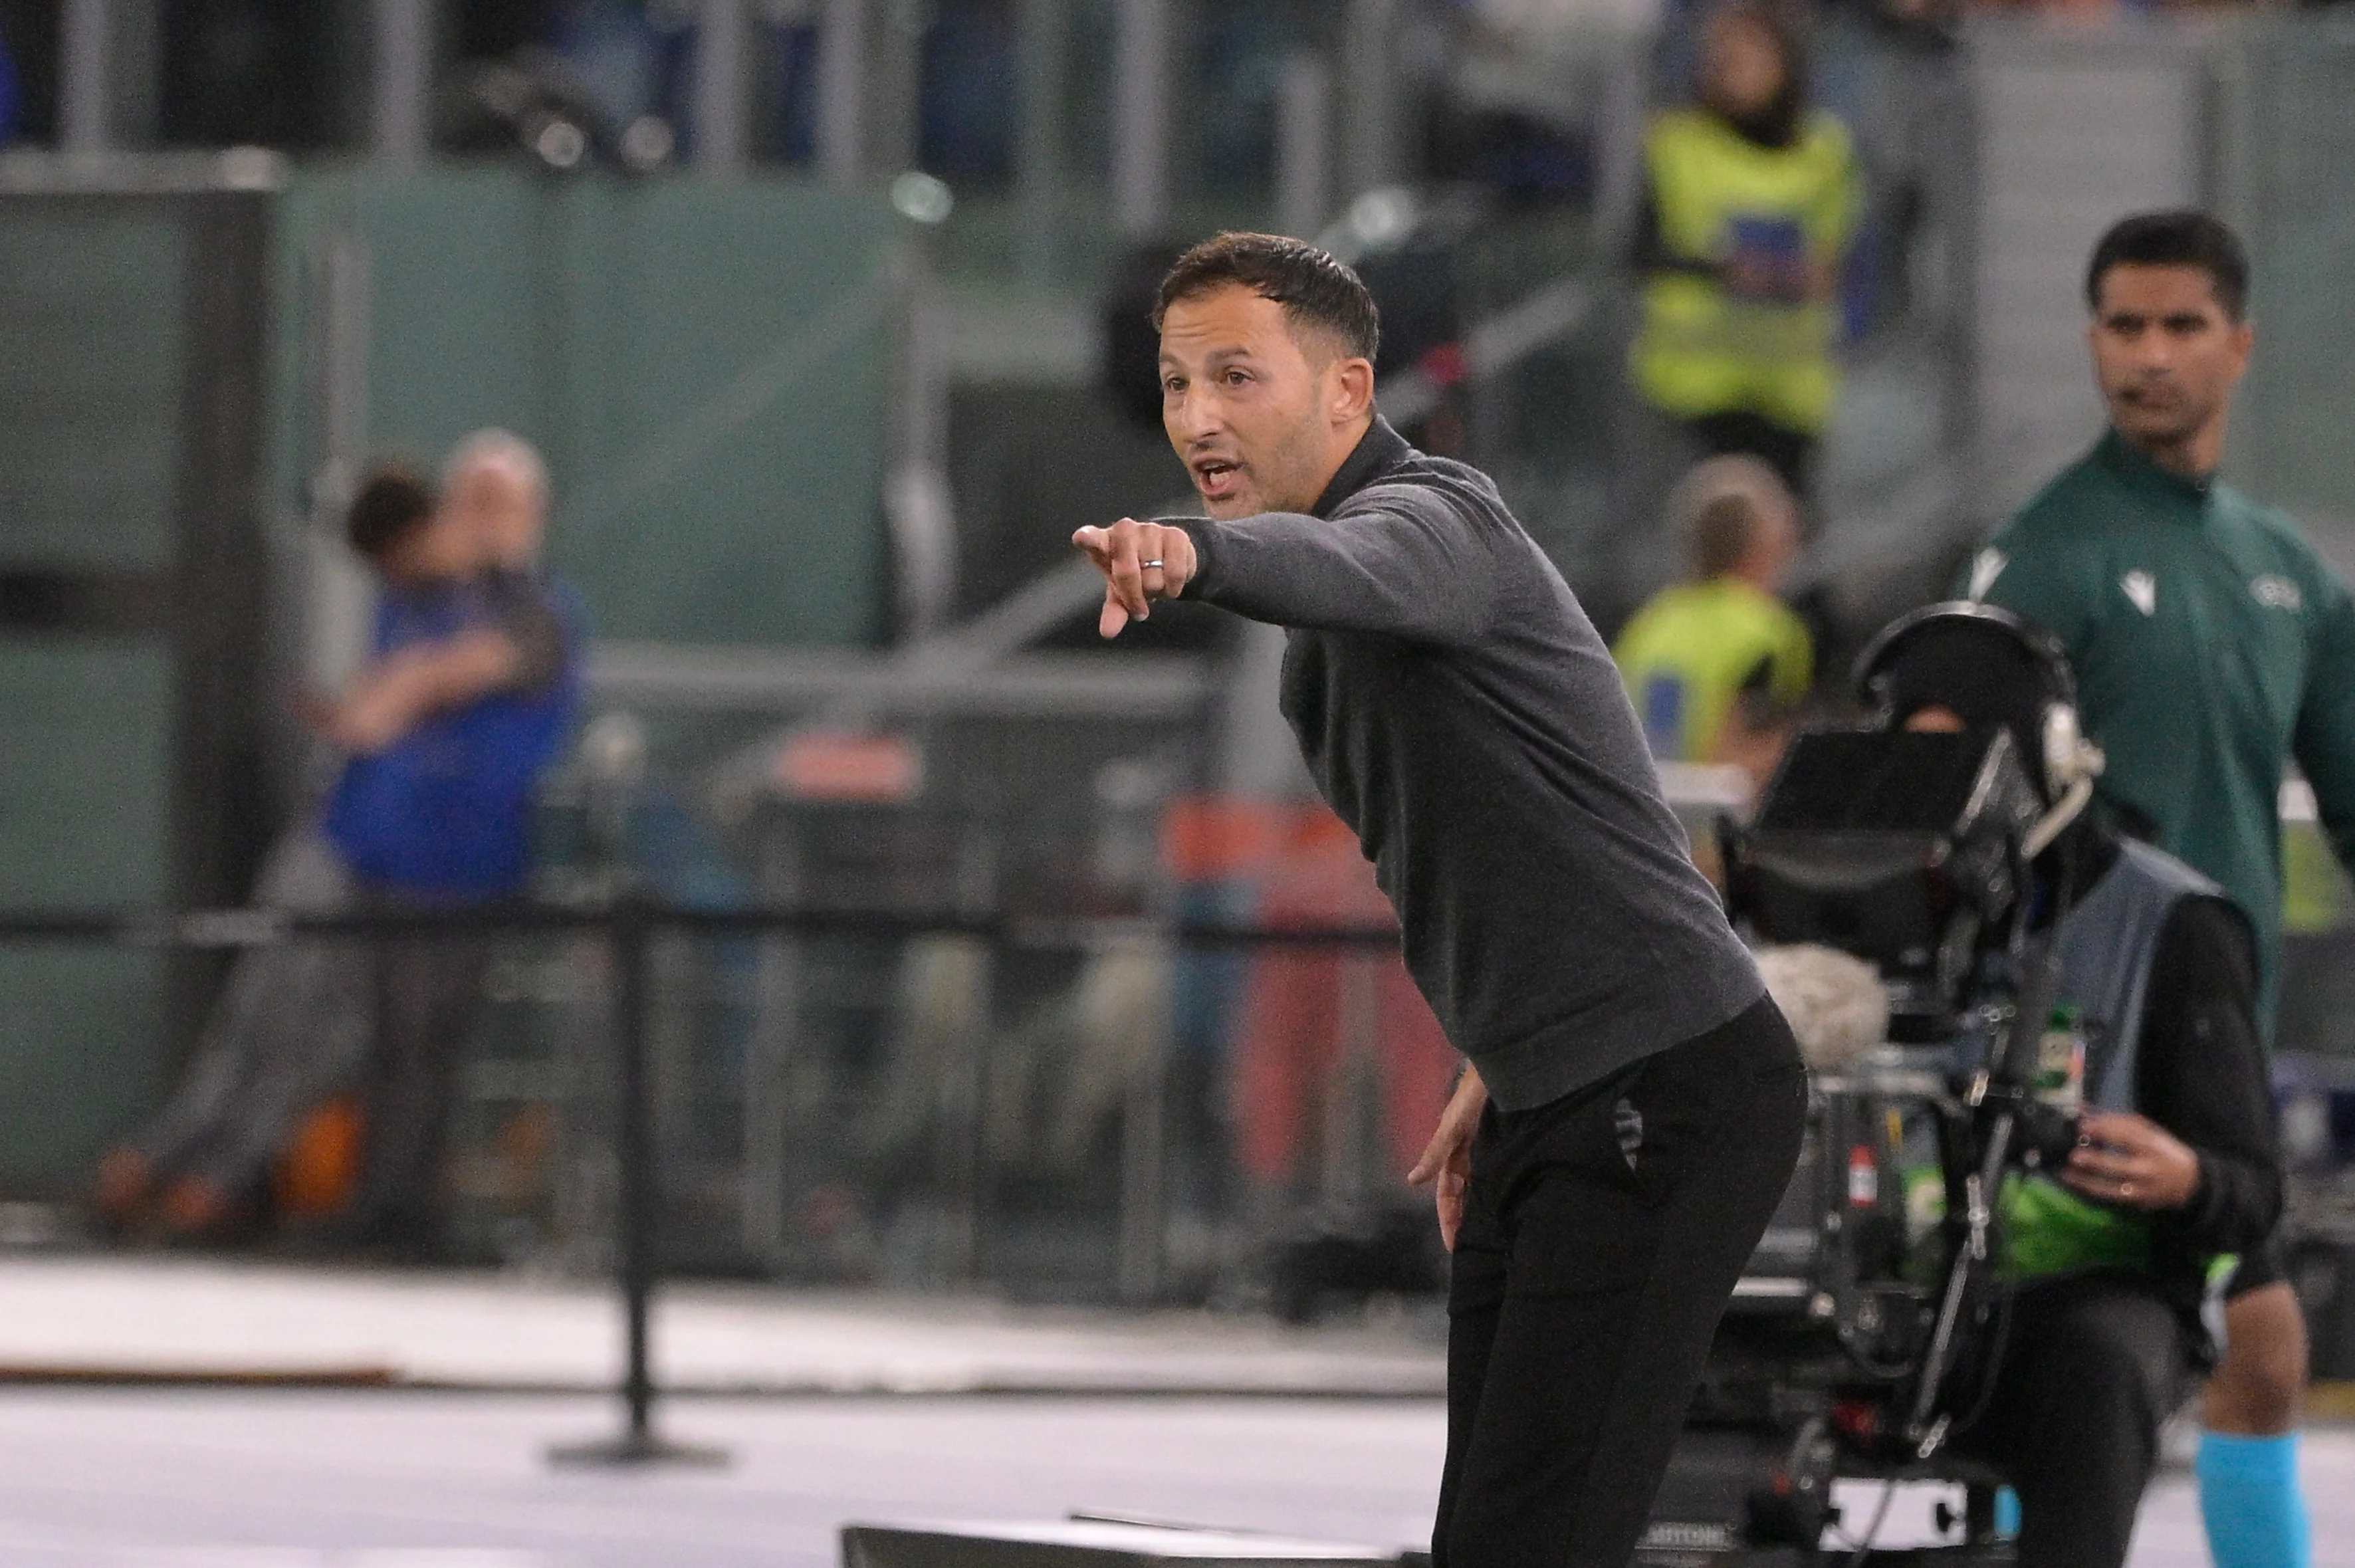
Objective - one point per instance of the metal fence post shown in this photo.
(841, 131)
(85, 107)
(1303, 145)
(403, 70)
(637, 1213)
(1043, 53)
(1144, 1178)
(722, 81)
(1140, 131)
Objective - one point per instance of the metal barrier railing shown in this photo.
(628, 925)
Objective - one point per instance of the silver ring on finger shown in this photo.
(1147, 565)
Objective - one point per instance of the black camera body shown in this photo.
(2045, 1136)
(1846, 1351)
(1899, 849)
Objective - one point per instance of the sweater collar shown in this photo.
(1377, 451)
(2130, 464)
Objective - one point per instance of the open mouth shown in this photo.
(1215, 477)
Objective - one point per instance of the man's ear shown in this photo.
(1350, 394)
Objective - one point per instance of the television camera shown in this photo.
(1886, 875)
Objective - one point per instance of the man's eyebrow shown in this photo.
(1216, 356)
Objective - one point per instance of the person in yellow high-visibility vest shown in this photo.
(1750, 199)
(1717, 665)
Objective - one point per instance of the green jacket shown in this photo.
(2210, 643)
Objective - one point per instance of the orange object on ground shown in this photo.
(316, 1174)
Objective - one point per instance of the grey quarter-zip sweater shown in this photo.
(1462, 715)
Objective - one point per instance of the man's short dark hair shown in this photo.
(1316, 290)
(2179, 239)
(392, 504)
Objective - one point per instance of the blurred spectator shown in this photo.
(466, 699)
(8, 93)
(1527, 82)
(474, 694)
(1717, 665)
(614, 51)
(292, 1024)
(1750, 197)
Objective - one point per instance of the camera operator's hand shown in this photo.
(1446, 1164)
(2131, 1161)
(1141, 562)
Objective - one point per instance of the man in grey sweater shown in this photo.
(1633, 1104)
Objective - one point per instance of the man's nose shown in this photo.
(1190, 416)
(2154, 351)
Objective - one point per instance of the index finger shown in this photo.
(1127, 577)
(1114, 618)
(2119, 1131)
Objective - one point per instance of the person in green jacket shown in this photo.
(1716, 665)
(2212, 646)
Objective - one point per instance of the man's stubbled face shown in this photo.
(1245, 404)
(2167, 353)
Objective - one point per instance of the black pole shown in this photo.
(633, 1135)
(637, 1212)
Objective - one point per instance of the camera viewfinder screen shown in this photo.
(1874, 782)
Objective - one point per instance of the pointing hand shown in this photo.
(1141, 562)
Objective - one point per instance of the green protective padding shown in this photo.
(707, 367)
(85, 732)
(91, 304)
(2049, 1229)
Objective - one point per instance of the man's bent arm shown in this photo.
(403, 690)
(2205, 1078)
(1394, 560)
(2324, 742)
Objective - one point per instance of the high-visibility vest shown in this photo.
(1702, 351)
(1687, 652)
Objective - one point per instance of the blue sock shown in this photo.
(2249, 1498)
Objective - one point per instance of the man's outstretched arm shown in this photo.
(1402, 565)
(2324, 742)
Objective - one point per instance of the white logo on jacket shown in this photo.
(2142, 588)
(2277, 594)
(1984, 571)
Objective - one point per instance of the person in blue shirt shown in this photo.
(466, 699)
(10, 97)
(471, 689)
(480, 685)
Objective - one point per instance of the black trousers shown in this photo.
(427, 995)
(1602, 1235)
(2092, 1367)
